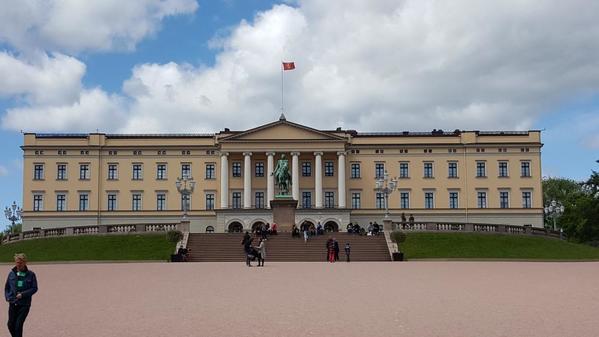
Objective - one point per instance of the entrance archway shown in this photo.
(331, 226)
(235, 227)
(257, 225)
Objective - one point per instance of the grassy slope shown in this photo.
(105, 247)
(488, 246)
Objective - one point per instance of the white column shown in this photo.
(247, 180)
(318, 178)
(224, 180)
(341, 179)
(295, 175)
(270, 179)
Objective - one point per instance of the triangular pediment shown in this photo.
(283, 130)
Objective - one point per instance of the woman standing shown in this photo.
(261, 252)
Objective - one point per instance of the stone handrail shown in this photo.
(91, 230)
(473, 227)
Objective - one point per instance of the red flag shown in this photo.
(288, 65)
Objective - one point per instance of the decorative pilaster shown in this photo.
(295, 175)
(318, 179)
(270, 180)
(224, 180)
(341, 179)
(247, 180)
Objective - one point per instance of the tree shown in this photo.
(566, 191)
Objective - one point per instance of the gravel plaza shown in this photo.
(315, 299)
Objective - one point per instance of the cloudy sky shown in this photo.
(381, 65)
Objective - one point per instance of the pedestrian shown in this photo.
(370, 228)
(403, 220)
(411, 219)
(261, 252)
(247, 247)
(331, 250)
(306, 234)
(20, 286)
(336, 248)
(347, 251)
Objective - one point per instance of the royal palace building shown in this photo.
(459, 176)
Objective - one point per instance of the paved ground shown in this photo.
(478, 299)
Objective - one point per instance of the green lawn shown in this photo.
(86, 248)
(489, 246)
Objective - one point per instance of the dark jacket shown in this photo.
(29, 287)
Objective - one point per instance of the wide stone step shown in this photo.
(227, 247)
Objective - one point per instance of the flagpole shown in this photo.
(281, 65)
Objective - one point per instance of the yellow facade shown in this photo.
(55, 194)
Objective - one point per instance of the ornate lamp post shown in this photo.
(554, 210)
(185, 186)
(386, 186)
(13, 213)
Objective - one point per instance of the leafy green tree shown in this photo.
(566, 191)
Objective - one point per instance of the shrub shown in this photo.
(174, 236)
(398, 237)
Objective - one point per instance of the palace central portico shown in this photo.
(105, 179)
(266, 144)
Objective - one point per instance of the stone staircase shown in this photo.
(226, 247)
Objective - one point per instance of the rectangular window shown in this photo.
(38, 172)
(61, 173)
(329, 168)
(113, 172)
(453, 200)
(429, 200)
(84, 171)
(306, 169)
(526, 199)
(379, 170)
(329, 199)
(209, 201)
(38, 202)
(355, 200)
(161, 202)
(404, 170)
(380, 200)
(161, 172)
(259, 168)
(503, 169)
(504, 199)
(210, 171)
(525, 169)
(307, 199)
(112, 202)
(236, 200)
(481, 199)
(404, 199)
(259, 199)
(185, 202)
(236, 169)
(136, 202)
(137, 173)
(428, 170)
(61, 202)
(355, 170)
(83, 202)
(481, 169)
(452, 168)
(185, 171)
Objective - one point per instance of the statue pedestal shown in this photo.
(283, 212)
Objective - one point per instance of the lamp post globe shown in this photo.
(185, 186)
(386, 186)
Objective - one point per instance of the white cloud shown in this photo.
(384, 65)
(75, 25)
(50, 80)
(94, 109)
(3, 171)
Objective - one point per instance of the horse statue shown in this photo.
(282, 176)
